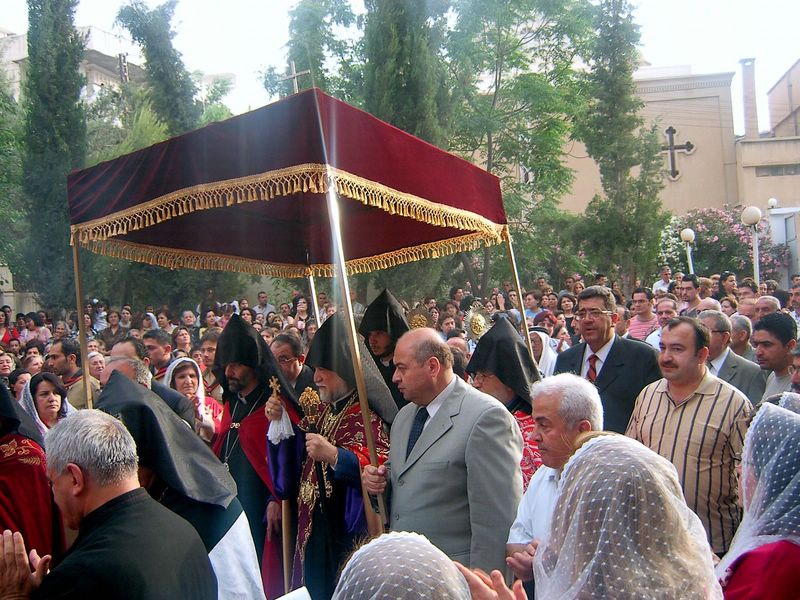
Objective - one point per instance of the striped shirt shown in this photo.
(703, 437)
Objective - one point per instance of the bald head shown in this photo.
(132, 368)
(423, 365)
(708, 304)
(459, 343)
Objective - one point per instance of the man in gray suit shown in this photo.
(453, 466)
(724, 363)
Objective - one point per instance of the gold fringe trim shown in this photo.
(283, 182)
(183, 259)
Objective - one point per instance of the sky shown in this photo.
(243, 37)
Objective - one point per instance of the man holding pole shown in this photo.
(320, 464)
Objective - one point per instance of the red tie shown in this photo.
(591, 374)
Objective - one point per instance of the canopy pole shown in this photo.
(375, 526)
(515, 273)
(288, 550)
(313, 291)
(76, 265)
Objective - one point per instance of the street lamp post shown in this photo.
(687, 236)
(750, 218)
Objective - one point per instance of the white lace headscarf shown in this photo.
(770, 483)
(621, 529)
(400, 565)
(547, 361)
(180, 363)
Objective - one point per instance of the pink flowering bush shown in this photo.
(722, 243)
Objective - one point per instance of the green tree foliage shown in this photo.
(621, 231)
(405, 83)
(516, 93)
(171, 88)
(211, 99)
(12, 132)
(314, 45)
(55, 143)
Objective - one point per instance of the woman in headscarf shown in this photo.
(764, 558)
(543, 352)
(149, 321)
(621, 529)
(44, 398)
(184, 375)
(400, 565)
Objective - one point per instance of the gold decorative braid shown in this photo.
(263, 187)
(173, 258)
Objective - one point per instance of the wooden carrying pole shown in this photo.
(515, 273)
(287, 539)
(76, 265)
(375, 526)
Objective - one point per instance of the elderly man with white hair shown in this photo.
(564, 406)
(128, 545)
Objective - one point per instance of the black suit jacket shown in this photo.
(629, 367)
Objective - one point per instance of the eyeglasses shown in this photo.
(481, 375)
(594, 313)
(286, 359)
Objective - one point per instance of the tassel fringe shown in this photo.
(283, 182)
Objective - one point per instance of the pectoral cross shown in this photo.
(672, 149)
(294, 75)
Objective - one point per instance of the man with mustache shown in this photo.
(697, 422)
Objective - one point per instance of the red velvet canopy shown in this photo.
(248, 195)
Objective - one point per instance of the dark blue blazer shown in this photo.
(629, 367)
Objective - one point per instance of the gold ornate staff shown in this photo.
(310, 403)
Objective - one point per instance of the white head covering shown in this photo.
(621, 529)
(153, 321)
(180, 362)
(400, 565)
(770, 484)
(29, 406)
(547, 362)
(790, 401)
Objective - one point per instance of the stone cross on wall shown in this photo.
(672, 150)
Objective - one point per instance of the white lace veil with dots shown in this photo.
(770, 482)
(621, 529)
(400, 565)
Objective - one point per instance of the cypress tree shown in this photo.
(404, 80)
(171, 89)
(55, 142)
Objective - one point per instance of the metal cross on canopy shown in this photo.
(294, 75)
(672, 149)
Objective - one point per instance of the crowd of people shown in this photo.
(628, 448)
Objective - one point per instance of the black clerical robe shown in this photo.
(387, 372)
(133, 548)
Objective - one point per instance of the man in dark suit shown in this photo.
(288, 351)
(454, 458)
(620, 368)
(724, 363)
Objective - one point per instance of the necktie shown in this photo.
(416, 429)
(711, 368)
(591, 374)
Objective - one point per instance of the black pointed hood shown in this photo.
(165, 444)
(502, 351)
(241, 343)
(331, 350)
(384, 314)
(15, 419)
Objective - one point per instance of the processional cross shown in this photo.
(672, 149)
(294, 75)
